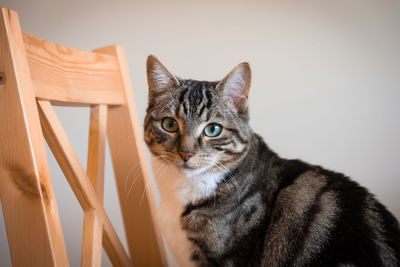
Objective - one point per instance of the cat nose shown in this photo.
(186, 155)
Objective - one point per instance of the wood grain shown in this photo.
(96, 148)
(80, 184)
(92, 240)
(69, 75)
(132, 175)
(53, 74)
(26, 191)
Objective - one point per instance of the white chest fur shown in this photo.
(194, 187)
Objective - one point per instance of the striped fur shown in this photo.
(246, 206)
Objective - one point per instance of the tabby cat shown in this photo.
(246, 206)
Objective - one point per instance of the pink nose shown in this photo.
(186, 155)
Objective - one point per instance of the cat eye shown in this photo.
(169, 124)
(212, 130)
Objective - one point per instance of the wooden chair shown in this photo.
(34, 75)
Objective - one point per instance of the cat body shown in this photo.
(279, 212)
(246, 206)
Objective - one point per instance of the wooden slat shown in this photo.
(65, 155)
(26, 191)
(92, 226)
(129, 161)
(92, 240)
(78, 180)
(68, 75)
(96, 148)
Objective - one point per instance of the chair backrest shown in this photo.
(34, 75)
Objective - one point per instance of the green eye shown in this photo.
(212, 130)
(169, 124)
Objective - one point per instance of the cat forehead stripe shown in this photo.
(195, 97)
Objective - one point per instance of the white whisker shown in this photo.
(137, 176)
(229, 173)
(146, 187)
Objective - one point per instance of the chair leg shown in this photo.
(26, 191)
(132, 176)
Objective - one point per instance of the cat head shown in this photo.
(198, 126)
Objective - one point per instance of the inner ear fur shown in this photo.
(234, 87)
(159, 79)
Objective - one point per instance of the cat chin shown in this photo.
(192, 172)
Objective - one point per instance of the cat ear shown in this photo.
(235, 87)
(159, 78)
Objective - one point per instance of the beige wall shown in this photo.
(326, 77)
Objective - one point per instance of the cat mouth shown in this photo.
(185, 165)
(191, 170)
